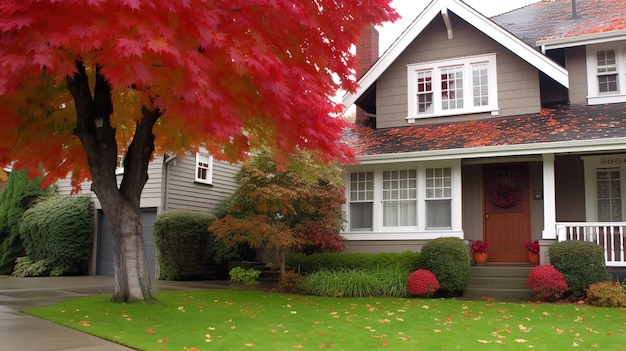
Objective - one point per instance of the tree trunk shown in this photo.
(120, 205)
(132, 278)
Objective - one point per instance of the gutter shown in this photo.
(573, 146)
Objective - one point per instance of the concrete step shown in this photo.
(502, 283)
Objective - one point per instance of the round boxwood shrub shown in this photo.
(581, 262)
(607, 294)
(58, 235)
(447, 258)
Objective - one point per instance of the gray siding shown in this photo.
(570, 188)
(577, 67)
(182, 193)
(472, 202)
(150, 197)
(518, 81)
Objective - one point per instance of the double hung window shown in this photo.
(441, 88)
(204, 167)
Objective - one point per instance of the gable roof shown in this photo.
(564, 129)
(474, 18)
(552, 24)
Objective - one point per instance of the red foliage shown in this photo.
(547, 282)
(219, 72)
(422, 282)
(533, 246)
(479, 246)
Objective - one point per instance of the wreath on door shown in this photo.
(504, 196)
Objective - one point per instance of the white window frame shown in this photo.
(591, 165)
(204, 161)
(436, 67)
(420, 231)
(594, 96)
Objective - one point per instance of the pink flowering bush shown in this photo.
(422, 282)
(547, 282)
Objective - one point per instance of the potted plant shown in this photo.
(479, 251)
(533, 251)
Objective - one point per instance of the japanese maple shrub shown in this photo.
(547, 282)
(447, 258)
(422, 282)
(581, 262)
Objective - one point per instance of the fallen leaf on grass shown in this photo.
(523, 328)
(85, 323)
(150, 331)
(521, 340)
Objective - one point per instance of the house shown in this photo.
(506, 129)
(197, 183)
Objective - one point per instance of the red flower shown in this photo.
(479, 246)
(422, 282)
(533, 246)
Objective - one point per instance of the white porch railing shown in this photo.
(611, 236)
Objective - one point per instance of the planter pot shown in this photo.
(480, 257)
(533, 258)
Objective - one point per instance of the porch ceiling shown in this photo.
(569, 123)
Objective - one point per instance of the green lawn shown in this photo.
(255, 320)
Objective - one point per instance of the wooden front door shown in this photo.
(506, 212)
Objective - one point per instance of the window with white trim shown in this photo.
(204, 167)
(609, 192)
(400, 198)
(361, 200)
(404, 200)
(605, 197)
(606, 73)
(461, 86)
(438, 198)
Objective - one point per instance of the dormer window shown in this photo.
(606, 74)
(461, 86)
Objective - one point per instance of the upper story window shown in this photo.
(606, 73)
(461, 86)
(204, 167)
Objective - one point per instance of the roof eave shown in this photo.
(590, 145)
(482, 23)
(588, 39)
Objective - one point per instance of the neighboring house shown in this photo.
(507, 130)
(192, 183)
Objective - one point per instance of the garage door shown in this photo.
(104, 262)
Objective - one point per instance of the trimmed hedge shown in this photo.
(379, 282)
(448, 259)
(185, 245)
(58, 235)
(581, 262)
(408, 261)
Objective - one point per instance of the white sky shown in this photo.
(409, 9)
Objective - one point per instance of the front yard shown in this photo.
(256, 320)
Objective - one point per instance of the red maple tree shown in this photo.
(84, 81)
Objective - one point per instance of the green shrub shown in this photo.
(447, 258)
(607, 294)
(59, 230)
(379, 282)
(25, 267)
(289, 283)
(244, 276)
(407, 260)
(19, 195)
(581, 262)
(185, 245)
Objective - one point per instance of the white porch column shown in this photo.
(549, 198)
